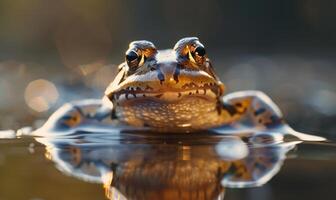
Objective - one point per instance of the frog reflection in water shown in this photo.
(134, 167)
(175, 90)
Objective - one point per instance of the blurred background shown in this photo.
(53, 52)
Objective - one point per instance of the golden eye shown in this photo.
(197, 54)
(133, 59)
(131, 56)
(192, 49)
(200, 51)
(138, 53)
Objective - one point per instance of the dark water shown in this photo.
(148, 166)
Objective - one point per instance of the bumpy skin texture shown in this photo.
(178, 90)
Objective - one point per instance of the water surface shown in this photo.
(117, 165)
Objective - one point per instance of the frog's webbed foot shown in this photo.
(253, 108)
(80, 114)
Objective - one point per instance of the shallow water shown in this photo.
(86, 165)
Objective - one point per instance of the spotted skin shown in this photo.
(255, 105)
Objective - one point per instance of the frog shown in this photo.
(173, 90)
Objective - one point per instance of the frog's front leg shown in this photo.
(254, 106)
(83, 115)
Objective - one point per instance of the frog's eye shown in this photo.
(138, 53)
(133, 59)
(131, 56)
(197, 53)
(192, 49)
(200, 51)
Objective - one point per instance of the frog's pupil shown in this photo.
(200, 51)
(131, 56)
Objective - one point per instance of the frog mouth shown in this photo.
(208, 92)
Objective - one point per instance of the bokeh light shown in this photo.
(324, 101)
(40, 95)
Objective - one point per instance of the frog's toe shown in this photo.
(302, 136)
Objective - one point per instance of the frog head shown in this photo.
(175, 88)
